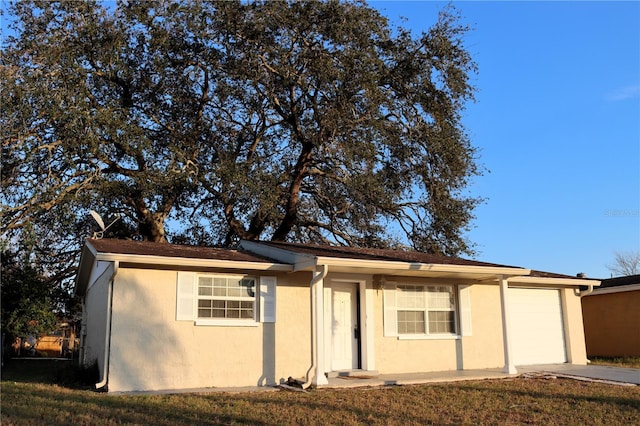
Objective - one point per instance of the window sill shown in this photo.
(227, 323)
(429, 337)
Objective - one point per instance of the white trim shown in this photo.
(227, 323)
(399, 266)
(618, 289)
(546, 281)
(190, 262)
(429, 337)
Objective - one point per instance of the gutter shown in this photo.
(101, 385)
(586, 292)
(191, 262)
(324, 269)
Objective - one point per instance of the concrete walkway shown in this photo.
(413, 378)
(614, 375)
(594, 372)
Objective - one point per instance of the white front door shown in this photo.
(344, 326)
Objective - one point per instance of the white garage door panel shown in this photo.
(537, 330)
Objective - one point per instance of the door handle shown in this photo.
(356, 333)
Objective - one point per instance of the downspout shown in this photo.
(317, 277)
(107, 339)
(589, 290)
(83, 331)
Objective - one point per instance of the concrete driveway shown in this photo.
(594, 372)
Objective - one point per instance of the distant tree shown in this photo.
(625, 263)
(306, 120)
(28, 298)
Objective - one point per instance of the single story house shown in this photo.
(612, 318)
(161, 316)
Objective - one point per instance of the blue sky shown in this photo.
(557, 123)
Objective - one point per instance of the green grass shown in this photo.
(626, 362)
(30, 400)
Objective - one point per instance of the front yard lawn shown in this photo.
(507, 401)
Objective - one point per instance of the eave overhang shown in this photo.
(552, 281)
(87, 260)
(90, 256)
(414, 269)
(138, 259)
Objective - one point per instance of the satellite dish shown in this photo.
(98, 219)
(100, 222)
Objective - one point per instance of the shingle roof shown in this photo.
(620, 281)
(147, 248)
(542, 274)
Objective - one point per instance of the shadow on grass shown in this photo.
(61, 372)
(28, 403)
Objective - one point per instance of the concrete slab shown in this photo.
(239, 389)
(605, 374)
(414, 378)
(615, 375)
(595, 372)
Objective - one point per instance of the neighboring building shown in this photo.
(612, 318)
(161, 316)
(60, 343)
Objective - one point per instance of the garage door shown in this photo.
(537, 331)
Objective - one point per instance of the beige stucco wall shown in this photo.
(151, 350)
(612, 323)
(573, 327)
(482, 349)
(94, 320)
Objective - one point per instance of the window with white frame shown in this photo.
(226, 297)
(426, 310)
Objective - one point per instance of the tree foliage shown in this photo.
(28, 298)
(206, 122)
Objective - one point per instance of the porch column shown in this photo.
(317, 312)
(509, 366)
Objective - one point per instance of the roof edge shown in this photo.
(616, 289)
(528, 279)
(146, 259)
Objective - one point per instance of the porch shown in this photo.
(354, 379)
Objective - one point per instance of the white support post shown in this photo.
(509, 366)
(317, 295)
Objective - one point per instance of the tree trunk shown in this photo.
(152, 228)
(291, 209)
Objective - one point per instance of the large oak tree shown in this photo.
(207, 122)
